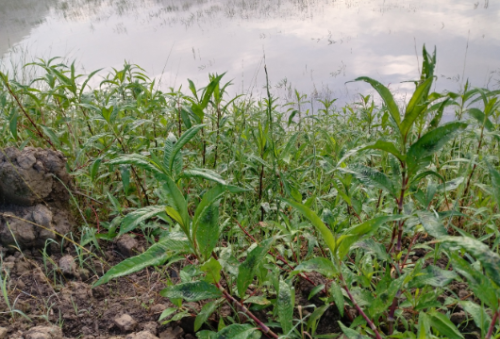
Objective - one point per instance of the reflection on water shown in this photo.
(312, 45)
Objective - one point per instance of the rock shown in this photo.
(127, 246)
(44, 332)
(32, 176)
(3, 333)
(150, 326)
(34, 197)
(158, 308)
(172, 333)
(67, 265)
(458, 317)
(125, 323)
(141, 335)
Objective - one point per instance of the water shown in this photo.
(314, 46)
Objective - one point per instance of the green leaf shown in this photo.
(204, 174)
(236, 331)
(155, 255)
(133, 219)
(168, 154)
(495, 181)
(167, 312)
(432, 225)
(184, 139)
(416, 106)
(480, 317)
(285, 307)
(212, 267)
(246, 270)
(94, 168)
(444, 326)
(192, 291)
(52, 135)
(205, 220)
(483, 288)
(258, 300)
(372, 177)
(356, 233)
(386, 146)
(338, 297)
(138, 160)
(433, 276)
(350, 333)
(430, 143)
(320, 265)
(205, 313)
(481, 118)
(489, 260)
(176, 200)
(439, 114)
(316, 222)
(386, 96)
(424, 326)
(316, 316)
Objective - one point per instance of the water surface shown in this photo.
(314, 46)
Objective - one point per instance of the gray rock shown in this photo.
(67, 265)
(127, 245)
(158, 308)
(141, 335)
(44, 332)
(125, 323)
(150, 326)
(34, 197)
(172, 333)
(29, 176)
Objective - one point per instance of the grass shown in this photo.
(255, 198)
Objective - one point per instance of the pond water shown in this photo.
(314, 46)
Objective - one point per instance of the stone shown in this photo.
(125, 323)
(150, 326)
(141, 335)
(127, 245)
(3, 333)
(44, 332)
(34, 197)
(68, 265)
(172, 333)
(158, 308)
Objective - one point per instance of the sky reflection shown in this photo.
(314, 46)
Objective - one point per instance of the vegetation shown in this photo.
(381, 208)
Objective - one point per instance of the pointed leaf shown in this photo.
(444, 326)
(316, 222)
(386, 96)
(490, 261)
(184, 139)
(285, 307)
(372, 177)
(133, 219)
(204, 174)
(416, 106)
(205, 313)
(155, 255)
(431, 142)
(246, 270)
(320, 265)
(192, 291)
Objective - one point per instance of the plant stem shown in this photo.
(266, 330)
